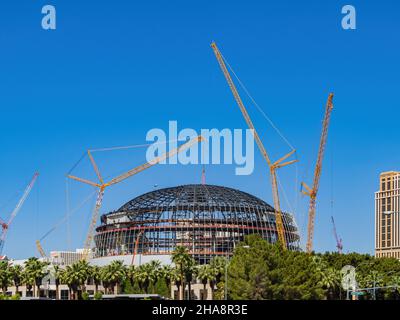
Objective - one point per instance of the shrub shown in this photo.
(98, 296)
(85, 296)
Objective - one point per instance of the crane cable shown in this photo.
(67, 208)
(69, 215)
(123, 147)
(272, 125)
(117, 148)
(258, 107)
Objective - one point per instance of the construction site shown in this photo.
(209, 220)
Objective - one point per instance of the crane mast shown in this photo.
(101, 185)
(6, 225)
(312, 192)
(272, 166)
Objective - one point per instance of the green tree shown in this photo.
(167, 274)
(114, 274)
(331, 281)
(29, 281)
(5, 276)
(131, 281)
(154, 269)
(16, 273)
(218, 266)
(205, 274)
(36, 270)
(58, 274)
(95, 273)
(75, 277)
(260, 270)
(144, 277)
(182, 260)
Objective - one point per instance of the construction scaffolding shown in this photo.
(209, 220)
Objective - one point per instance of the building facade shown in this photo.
(387, 223)
(66, 258)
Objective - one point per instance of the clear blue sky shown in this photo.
(115, 69)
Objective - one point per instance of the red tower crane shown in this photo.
(339, 244)
(312, 191)
(5, 226)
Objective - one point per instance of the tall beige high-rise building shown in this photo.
(387, 224)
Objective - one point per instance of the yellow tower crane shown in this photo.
(273, 166)
(103, 185)
(312, 192)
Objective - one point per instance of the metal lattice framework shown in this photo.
(209, 220)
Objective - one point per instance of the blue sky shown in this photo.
(112, 70)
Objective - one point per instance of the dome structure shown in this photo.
(209, 220)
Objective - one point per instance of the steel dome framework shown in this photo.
(209, 220)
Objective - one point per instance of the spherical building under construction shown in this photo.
(209, 220)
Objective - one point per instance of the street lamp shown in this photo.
(375, 278)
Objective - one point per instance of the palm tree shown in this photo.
(5, 276)
(154, 269)
(28, 280)
(36, 270)
(114, 274)
(218, 266)
(167, 273)
(58, 274)
(131, 275)
(16, 273)
(86, 268)
(75, 276)
(95, 274)
(190, 270)
(181, 259)
(177, 278)
(330, 280)
(205, 275)
(144, 276)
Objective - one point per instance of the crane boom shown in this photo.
(272, 166)
(312, 192)
(40, 249)
(156, 160)
(103, 185)
(6, 226)
(339, 244)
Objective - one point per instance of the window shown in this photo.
(64, 295)
(389, 204)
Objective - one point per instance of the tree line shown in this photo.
(257, 270)
(151, 277)
(260, 270)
